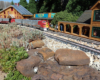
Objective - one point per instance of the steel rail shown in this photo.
(82, 47)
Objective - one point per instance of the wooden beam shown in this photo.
(95, 5)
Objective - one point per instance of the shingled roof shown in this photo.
(85, 17)
(20, 9)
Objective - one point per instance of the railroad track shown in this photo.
(73, 44)
(55, 35)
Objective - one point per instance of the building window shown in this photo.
(0, 16)
(96, 32)
(96, 15)
(4, 16)
(11, 8)
(8, 12)
(4, 12)
(15, 12)
(17, 16)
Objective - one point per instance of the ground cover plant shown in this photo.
(8, 60)
(13, 44)
(11, 35)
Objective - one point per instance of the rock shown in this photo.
(55, 76)
(26, 66)
(68, 77)
(46, 53)
(38, 77)
(33, 51)
(45, 72)
(36, 44)
(71, 57)
(87, 77)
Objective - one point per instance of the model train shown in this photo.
(41, 24)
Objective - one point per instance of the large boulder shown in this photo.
(26, 66)
(46, 53)
(70, 57)
(36, 44)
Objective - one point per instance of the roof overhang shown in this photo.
(42, 18)
(5, 8)
(27, 15)
(98, 2)
(10, 16)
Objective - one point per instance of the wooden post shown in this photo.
(80, 30)
(58, 26)
(64, 28)
(71, 28)
(90, 32)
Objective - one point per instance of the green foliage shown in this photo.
(49, 6)
(64, 16)
(32, 6)
(43, 7)
(16, 75)
(78, 6)
(12, 3)
(9, 57)
(23, 3)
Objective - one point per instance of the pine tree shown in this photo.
(32, 6)
(12, 3)
(55, 6)
(39, 4)
(44, 7)
(23, 3)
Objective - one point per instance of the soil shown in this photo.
(2, 75)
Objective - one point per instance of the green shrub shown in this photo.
(9, 57)
(64, 16)
(8, 60)
(16, 75)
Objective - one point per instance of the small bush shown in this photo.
(64, 16)
(16, 75)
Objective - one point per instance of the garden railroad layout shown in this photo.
(48, 58)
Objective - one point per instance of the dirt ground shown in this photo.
(2, 75)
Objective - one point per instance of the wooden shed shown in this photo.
(88, 24)
(15, 11)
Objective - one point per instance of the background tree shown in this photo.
(24, 3)
(49, 5)
(43, 8)
(12, 3)
(32, 6)
(78, 6)
(39, 4)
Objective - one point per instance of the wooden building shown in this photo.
(15, 11)
(87, 26)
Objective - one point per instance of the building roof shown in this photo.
(98, 2)
(20, 9)
(85, 17)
